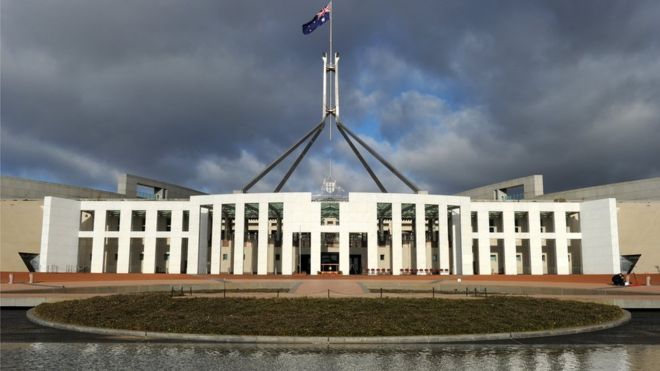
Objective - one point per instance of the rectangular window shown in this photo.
(164, 221)
(573, 222)
(186, 220)
(329, 213)
(138, 220)
(86, 220)
(382, 257)
(224, 257)
(547, 222)
(277, 257)
(112, 220)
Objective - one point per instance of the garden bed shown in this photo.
(326, 317)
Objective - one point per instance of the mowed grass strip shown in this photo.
(326, 317)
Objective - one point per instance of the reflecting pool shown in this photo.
(167, 356)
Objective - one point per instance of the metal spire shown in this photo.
(330, 111)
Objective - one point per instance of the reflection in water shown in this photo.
(266, 357)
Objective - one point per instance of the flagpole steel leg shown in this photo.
(282, 157)
(380, 158)
(362, 160)
(300, 157)
(336, 83)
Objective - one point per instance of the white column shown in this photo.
(535, 250)
(397, 258)
(148, 264)
(561, 244)
(239, 238)
(510, 266)
(454, 259)
(149, 257)
(315, 262)
(202, 243)
(344, 262)
(215, 239)
(484, 242)
(193, 239)
(287, 250)
(262, 243)
(98, 242)
(124, 242)
(420, 236)
(174, 265)
(465, 231)
(372, 247)
(174, 262)
(443, 238)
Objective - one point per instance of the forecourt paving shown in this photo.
(57, 287)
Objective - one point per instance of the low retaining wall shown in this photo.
(251, 339)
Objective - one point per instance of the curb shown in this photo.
(324, 340)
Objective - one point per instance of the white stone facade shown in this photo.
(373, 233)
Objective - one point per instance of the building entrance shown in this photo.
(355, 263)
(305, 264)
(329, 262)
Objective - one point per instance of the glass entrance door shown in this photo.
(329, 262)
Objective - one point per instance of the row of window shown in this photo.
(138, 220)
(330, 216)
(521, 221)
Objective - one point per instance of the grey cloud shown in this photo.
(206, 93)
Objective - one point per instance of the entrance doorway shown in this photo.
(355, 264)
(329, 262)
(519, 263)
(494, 264)
(305, 263)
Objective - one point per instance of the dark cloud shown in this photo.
(206, 93)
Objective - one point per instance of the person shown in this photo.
(619, 280)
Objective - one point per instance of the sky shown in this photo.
(206, 93)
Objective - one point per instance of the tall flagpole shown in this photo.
(332, 62)
(332, 16)
(332, 59)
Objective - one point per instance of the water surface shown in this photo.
(169, 356)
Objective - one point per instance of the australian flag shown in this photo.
(319, 19)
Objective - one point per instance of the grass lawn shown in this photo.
(326, 317)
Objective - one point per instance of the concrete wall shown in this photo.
(128, 185)
(600, 237)
(532, 185)
(639, 233)
(59, 235)
(20, 231)
(645, 189)
(20, 189)
(636, 190)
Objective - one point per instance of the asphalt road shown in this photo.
(644, 328)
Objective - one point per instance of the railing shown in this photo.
(146, 195)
